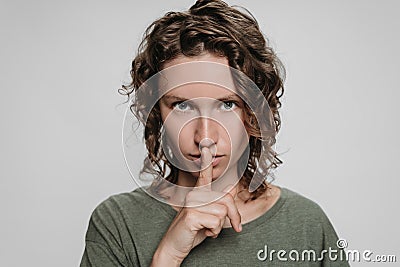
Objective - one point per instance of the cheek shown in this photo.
(171, 130)
(180, 136)
(185, 137)
(236, 135)
(171, 125)
(238, 138)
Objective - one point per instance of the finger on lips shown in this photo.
(201, 197)
(206, 172)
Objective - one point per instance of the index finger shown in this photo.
(205, 176)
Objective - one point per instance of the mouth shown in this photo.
(197, 159)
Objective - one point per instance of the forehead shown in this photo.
(205, 79)
(197, 90)
(203, 57)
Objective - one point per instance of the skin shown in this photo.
(193, 224)
(224, 129)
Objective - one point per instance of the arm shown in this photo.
(161, 257)
(97, 254)
(103, 244)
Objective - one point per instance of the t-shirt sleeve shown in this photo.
(97, 254)
(337, 256)
(103, 240)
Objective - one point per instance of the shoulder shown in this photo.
(121, 203)
(111, 231)
(299, 201)
(304, 219)
(301, 214)
(303, 209)
(119, 211)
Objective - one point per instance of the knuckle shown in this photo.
(222, 211)
(190, 217)
(215, 223)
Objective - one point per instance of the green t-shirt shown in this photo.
(125, 230)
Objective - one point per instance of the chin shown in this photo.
(216, 174)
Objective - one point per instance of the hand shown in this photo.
(202, 215)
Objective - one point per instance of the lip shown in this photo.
(197, 159)
(216, 160)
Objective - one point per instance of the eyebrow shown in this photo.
(179, 98)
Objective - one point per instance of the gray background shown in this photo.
(63, 61)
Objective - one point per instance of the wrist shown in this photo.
(163, 257)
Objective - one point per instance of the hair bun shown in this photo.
(208, 5)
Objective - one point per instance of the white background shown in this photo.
(63, 61)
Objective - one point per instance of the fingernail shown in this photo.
(240, 227)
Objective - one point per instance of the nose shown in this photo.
(206, 132)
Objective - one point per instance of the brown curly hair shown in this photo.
(214, 27)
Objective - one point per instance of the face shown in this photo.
(204, 114)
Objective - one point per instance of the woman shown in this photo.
(210, 151)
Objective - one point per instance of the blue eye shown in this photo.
(181, 106)
(228, 105)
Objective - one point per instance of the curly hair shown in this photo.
(209, 26)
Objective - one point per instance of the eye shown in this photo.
(228, 105)
(181, 106)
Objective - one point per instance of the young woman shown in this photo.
(207, 89)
